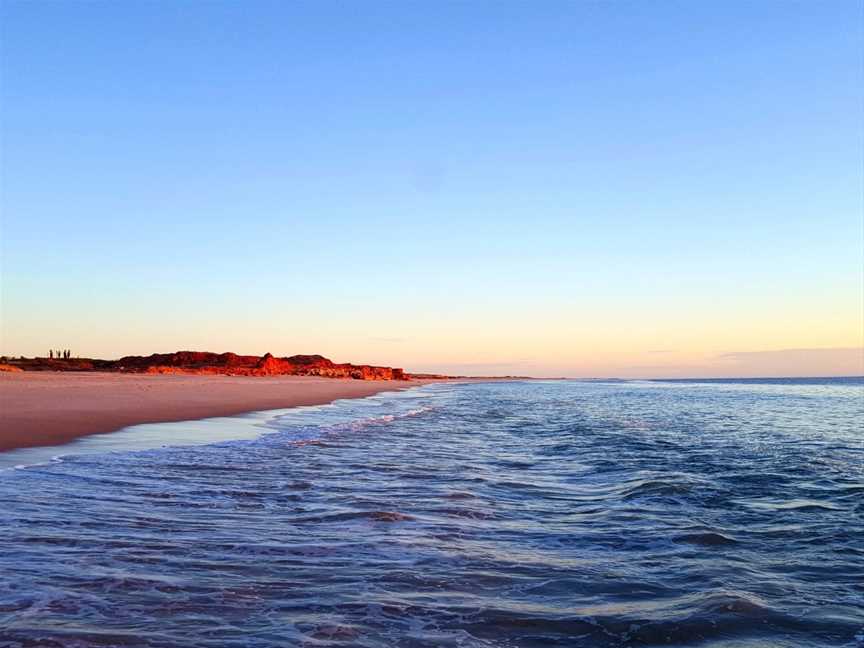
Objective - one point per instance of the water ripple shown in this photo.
(489, 515)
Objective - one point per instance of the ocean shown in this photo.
(723, 513)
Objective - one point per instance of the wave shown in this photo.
(597, 515)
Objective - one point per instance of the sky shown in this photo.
(633, 189)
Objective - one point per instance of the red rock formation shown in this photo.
(202, 362)
(199, 362)
(184, 359)
(270, 366)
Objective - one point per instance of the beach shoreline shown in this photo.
(54, 408)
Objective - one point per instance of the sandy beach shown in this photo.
(50, 408)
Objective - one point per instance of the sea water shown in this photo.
(505, 514)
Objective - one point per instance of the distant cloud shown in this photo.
(670, 363)
(796, 362)
(785, 353)
(843, 361)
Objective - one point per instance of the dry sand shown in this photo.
(50, 408)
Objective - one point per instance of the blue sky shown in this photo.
(561, 187)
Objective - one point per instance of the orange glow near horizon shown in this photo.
(560, 342)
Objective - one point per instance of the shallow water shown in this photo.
(508, 514)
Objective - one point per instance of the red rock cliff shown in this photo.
(202, 362)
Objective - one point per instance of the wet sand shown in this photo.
(51, 408)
